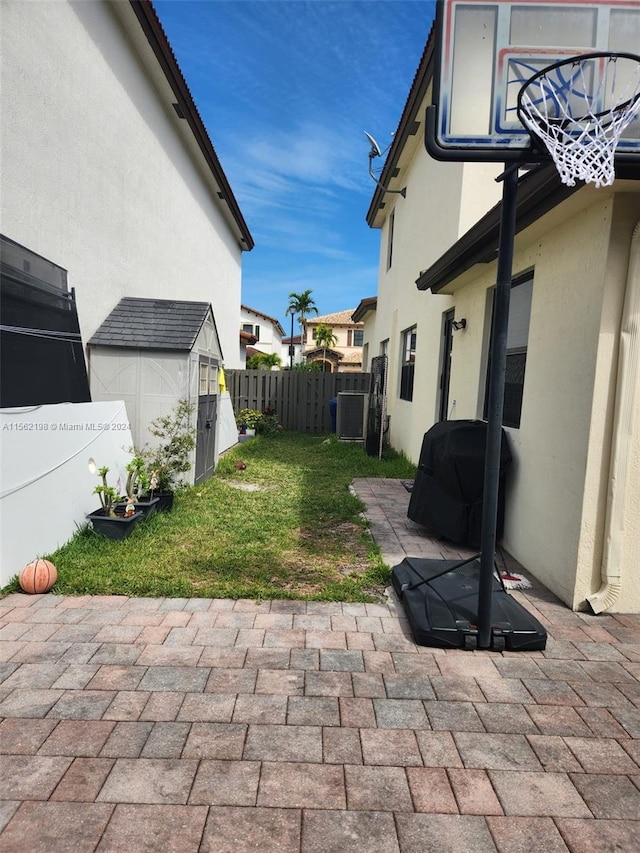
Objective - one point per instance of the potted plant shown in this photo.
(113, 519)
(247, 421)
(171, 457)
(137, 487)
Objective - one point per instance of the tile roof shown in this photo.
(353, 356)
(158, 324)
(337, 318)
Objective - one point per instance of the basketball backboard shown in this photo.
(487, 49)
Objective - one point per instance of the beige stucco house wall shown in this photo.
(576, 244)
(442, 201)
(557, 493)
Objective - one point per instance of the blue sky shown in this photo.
(286, 89)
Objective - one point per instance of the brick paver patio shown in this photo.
(309, 727)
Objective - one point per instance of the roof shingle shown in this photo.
(158, 324)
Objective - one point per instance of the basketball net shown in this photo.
(581, 115)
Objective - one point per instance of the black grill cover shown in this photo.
(447, 492)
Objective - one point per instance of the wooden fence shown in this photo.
(301, 399)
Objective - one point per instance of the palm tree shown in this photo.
(263, 361)
(325, 338)
(301, 304)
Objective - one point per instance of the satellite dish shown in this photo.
(376, 152)
(375, 148)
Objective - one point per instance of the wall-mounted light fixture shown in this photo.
(456, 325)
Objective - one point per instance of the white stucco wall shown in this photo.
(286, 358)
(97, 176)
(270, 336)
(47, 487)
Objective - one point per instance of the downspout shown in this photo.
(628, 367)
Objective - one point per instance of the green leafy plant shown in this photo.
(171, 457)
(107, 494)
(248, 418)
(263, 361)
(138, 479)
(268, 422)
(325, 338)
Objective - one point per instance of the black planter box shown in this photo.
(114, 527)
(165, 500)
(146, 505)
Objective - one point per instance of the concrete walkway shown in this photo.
(306, 727)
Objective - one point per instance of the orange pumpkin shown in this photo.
(38, 576)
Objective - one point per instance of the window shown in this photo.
(408, 363)
(358, 337)
(204, 378)
(517, 342)
(213, 379)
(384, 347)
(392, 219)
(253, 330)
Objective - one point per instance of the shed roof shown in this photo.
(158, 324)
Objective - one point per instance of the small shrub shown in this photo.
(248, 418)
(268, 422)
(172, 456)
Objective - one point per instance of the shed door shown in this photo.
(207, 420)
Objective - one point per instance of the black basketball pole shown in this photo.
(495, 412)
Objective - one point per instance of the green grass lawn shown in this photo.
(286, 526)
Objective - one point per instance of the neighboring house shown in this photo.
(345, 356)
(288, 343)
(366, 313)
(572, 402)
(108, 170)
(265, 329)
(247, 342)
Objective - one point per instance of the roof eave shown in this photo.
(366, 305)
(407, 126)
(538, 192)
(159, 43)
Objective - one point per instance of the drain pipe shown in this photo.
(628, 367)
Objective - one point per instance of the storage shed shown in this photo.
(151, 353)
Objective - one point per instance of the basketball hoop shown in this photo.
(579, 108)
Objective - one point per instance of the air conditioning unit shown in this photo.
(351, 415)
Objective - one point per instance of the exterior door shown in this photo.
(445, 372)
(206, 421)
